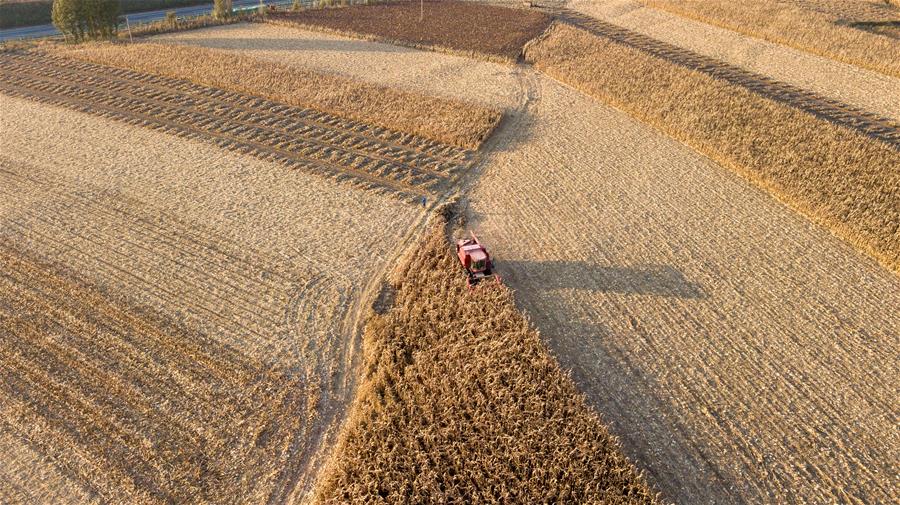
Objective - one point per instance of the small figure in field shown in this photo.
(424, 201)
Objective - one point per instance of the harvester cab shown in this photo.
(475, 259)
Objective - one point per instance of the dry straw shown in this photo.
(816, 32)
(440, 119)
(840, 178)
(460, 401)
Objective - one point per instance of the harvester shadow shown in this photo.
(278, 44)
(658, 280)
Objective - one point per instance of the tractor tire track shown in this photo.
(329, 124)
(57, 95)
(53, 381)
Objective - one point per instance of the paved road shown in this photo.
(32, 32)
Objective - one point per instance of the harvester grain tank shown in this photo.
(475, 260)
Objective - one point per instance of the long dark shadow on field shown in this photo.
(659, 280)
(277, 44)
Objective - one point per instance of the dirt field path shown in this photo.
(864, 89)
(244, 278)
(743, 355)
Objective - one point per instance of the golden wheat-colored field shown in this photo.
(837, 177)
(820, 31)
(741, 353)
(185, 278)
(177, 322)
(461, 402)
(865, 89)
(442, 120)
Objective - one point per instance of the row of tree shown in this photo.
(80, 20)
(86, 19)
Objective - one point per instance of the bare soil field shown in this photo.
(469, 28)
(177, 322)
(740, 353)
(456, 407)
(838, 177)
(823, 30)
(865, 89)
(461, 124)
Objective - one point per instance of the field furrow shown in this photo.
(74, 394)
(223, 133)
(235, 310)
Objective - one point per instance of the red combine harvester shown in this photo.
(475, 259)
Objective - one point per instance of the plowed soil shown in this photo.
(177, 322)
(473, 28)
(455, 123)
